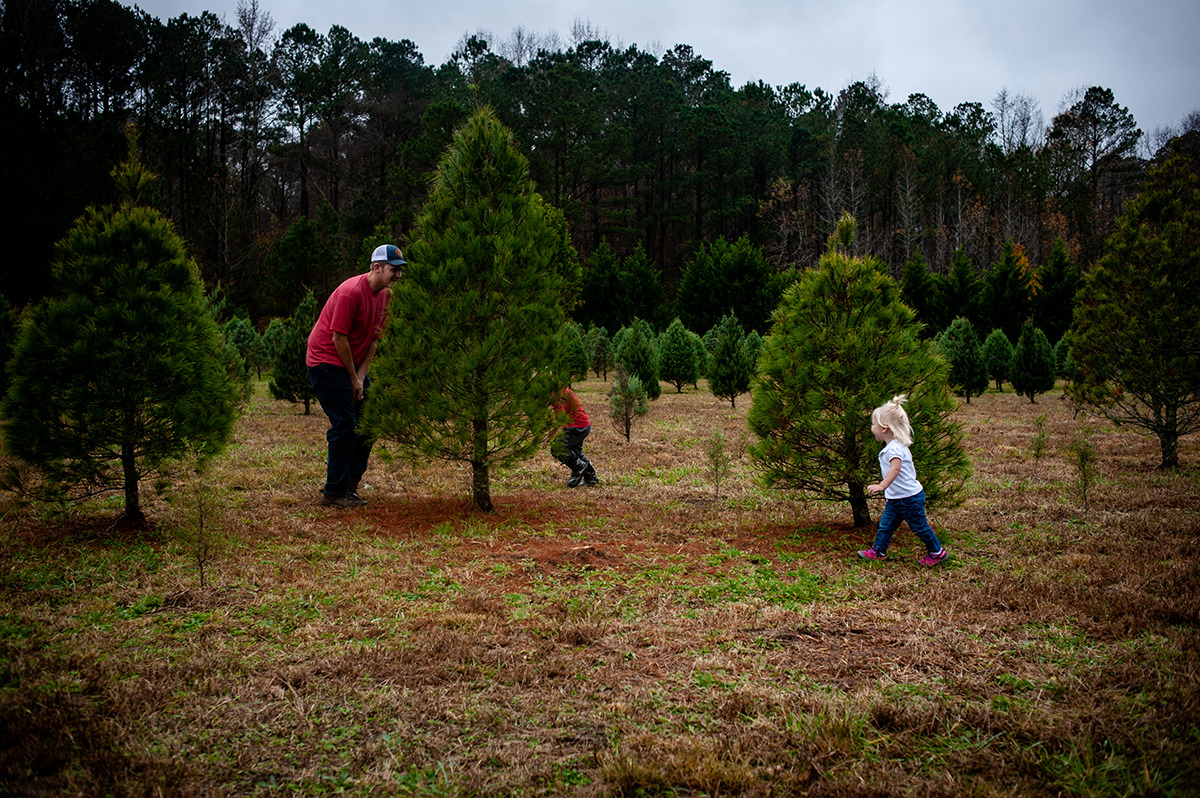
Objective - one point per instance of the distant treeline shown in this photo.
(283, 156)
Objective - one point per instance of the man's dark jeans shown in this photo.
(348, 451)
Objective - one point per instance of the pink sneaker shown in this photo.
(937, 558)
(871, 554)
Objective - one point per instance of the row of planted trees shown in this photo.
(736, 277)
(123, 371)
(281, 148)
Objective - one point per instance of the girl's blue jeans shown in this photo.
(910, 510)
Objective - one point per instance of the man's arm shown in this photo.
(341, 342)
(365, 367)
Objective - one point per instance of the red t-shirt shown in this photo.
(354, 310)
(576, 416)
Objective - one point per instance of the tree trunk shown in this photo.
(480, 492)
(480, 489)
(133, 508)
(1168, 439)
(858, 504)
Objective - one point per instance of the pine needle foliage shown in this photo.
(627, 401)
(842, 344)
(289, 375)
(997, 355)
(635, 350)
(119, 375)
(959, 345)
(1032, 369)
(731, 365)
(470, 361)
(1135, 339)
(574, 351)
(677, 360)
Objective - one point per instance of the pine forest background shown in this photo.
(284, 155)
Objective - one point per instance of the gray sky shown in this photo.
(953, 51)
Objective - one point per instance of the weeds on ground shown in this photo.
(1081, 454)
(637, 639)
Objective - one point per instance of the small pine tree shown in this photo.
(1062, 356)
(627, 400)
(959, 345)
(1040, 438)
(731, 366)
(575, 352)
(637, 353)
(1032, 368)
(1081, 454)
(600, 351)
(719, 461)
(270, 339)
(1133, 337)
(677, 357)
(618, 341)
(842, 344)
(997, 355)
(754, 344)
(289, 374)
(119, 376)
(244, 342)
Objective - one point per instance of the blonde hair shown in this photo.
(891, 415)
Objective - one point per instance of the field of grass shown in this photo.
(667, 633)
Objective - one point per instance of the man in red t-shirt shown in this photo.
(567, 447)
(340, 348)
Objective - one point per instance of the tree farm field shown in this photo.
(666, 633)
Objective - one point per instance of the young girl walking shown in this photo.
(904, 494)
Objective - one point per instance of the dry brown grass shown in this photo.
(640, 638)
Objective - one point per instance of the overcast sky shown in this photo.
(953, 51)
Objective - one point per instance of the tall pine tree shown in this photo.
(961, 290)
(1055, 301)
(601, 301)
(1007, 293)
(469, 363)
(920, 290)
(1135, 340)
